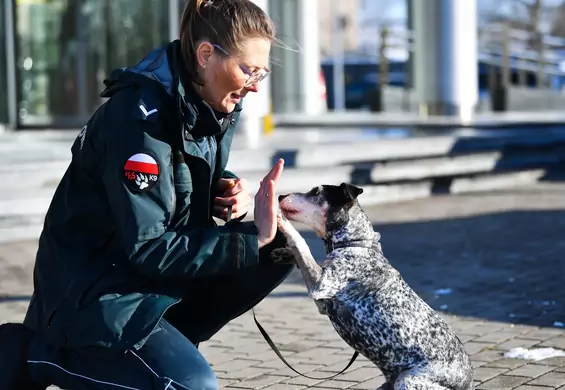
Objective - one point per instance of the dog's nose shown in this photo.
(281, 197)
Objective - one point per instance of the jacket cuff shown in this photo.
(246, 241)
(229, 175)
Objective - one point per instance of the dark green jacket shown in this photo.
(130, 223)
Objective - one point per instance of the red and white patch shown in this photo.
(141, 172)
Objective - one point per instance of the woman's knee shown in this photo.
(170, 355)
(203, 378)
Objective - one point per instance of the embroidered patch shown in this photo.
(141, 172)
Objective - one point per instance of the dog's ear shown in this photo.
(351, 191)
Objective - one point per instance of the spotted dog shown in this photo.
(368, 302)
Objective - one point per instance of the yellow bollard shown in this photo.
(268, 123)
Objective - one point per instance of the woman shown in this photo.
(132, 272)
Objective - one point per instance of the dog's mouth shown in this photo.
(287, 211)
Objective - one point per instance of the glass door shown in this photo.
(47, 61)
(66, 48)
(3, 68)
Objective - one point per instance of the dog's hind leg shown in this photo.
(417, 379)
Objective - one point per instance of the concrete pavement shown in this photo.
(491, 263)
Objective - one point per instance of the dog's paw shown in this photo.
(284, 224)
(282, 256)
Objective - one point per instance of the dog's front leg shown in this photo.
(311, 271)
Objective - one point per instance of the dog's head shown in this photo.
(324, 208)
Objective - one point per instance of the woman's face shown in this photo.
(227, 78)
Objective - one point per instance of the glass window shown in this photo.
(3, 70)
(66, 48)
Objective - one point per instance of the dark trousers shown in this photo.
(167, 360)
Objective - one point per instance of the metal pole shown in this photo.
(252, 120)
(338, 60)
(11, 59)
(82, 72)
(409, 71)
(445, 57)
(174, 19)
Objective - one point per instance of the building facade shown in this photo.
(55, 54)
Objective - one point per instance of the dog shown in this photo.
(367, 301)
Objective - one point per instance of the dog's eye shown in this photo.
(315, 191)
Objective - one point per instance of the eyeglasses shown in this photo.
(252, 77)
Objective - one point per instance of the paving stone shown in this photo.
(284, 386)
(554, 379)
(555, 342)
(530, 370)
(554, 361)
(261, 381)
(497, 337)
(473, 348)
(488, 355)
(503, 382)
(483, 374)
(507, 363)
(516, 343)
(335, 384)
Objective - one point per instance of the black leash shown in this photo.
(276, 350)
(274, 347)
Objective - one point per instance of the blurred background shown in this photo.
(407, 98)
(335, 55)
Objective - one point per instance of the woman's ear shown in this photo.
(204, 53)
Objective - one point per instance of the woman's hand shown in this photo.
(266, 205)
(235, 193)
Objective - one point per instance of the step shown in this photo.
(356, 118)
(388, 149)
(29, 225)
(42, 157)
(40, 185)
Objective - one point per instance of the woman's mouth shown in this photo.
(236, 97)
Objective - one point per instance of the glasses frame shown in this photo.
(252, 77)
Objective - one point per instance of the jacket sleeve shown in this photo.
(229, 175)
(138, 180)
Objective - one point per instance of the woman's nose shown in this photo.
(253, 87)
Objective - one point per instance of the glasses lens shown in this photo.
(257, 77)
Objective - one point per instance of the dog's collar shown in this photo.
(369, 244)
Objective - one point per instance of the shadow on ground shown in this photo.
(504, 267)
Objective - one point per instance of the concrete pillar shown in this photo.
(175, 13)
(296, 77)
(445, 56)
(256, 105)
(309, 57)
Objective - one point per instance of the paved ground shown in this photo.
(492, 263)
